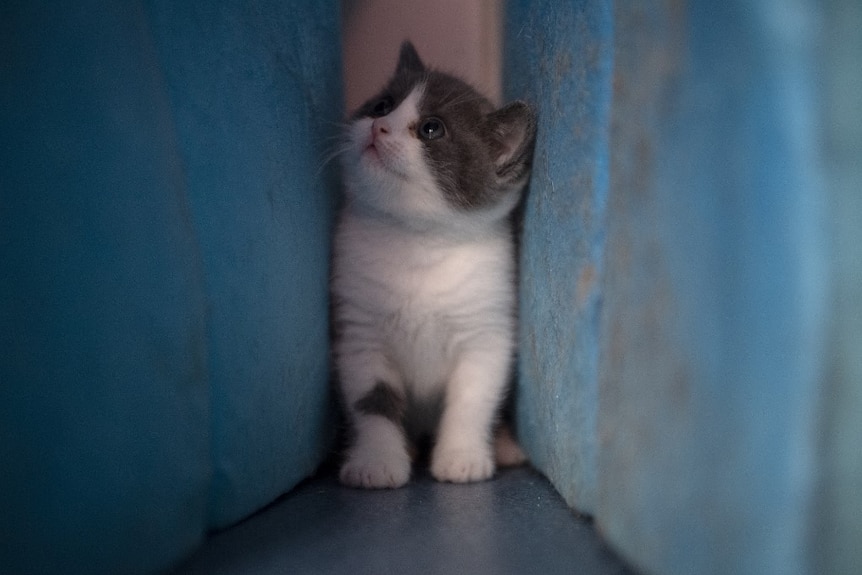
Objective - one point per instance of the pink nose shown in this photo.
(379, 127)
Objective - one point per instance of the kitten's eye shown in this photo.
(432, 128)
(382, 108)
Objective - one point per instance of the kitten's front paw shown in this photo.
(462, 465)
(375, 470)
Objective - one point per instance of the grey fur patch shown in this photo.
(383, 401)
(409, 73)
(484, 154)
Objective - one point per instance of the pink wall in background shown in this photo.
(461, 37)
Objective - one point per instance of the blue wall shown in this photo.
(715, 296)
(700, 396)
(837, 528)
(164, 224)
(256, 95)
(558, 57)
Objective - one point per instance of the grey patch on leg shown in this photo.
(383, 401)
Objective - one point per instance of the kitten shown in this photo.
(423, 279)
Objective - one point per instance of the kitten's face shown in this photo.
(429, 147)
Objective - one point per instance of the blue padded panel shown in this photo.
(838, 524)
(104, 441)
(715, 289)
(164, 228)
(256, 96)
(558, 56)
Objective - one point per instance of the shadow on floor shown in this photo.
(515, 523)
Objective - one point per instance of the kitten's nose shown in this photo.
(379, 127)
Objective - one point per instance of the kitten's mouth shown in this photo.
(373, 152)
(378, 159)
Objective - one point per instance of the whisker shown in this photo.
(333, 153)
(340, 124)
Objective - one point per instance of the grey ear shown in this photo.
(408, 59)
(513, 133)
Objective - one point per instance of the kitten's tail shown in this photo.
(507, 452)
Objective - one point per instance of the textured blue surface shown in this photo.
(710, 417)
(254, 109)
(837, 529)
(104, 408)
(715, 290)
(558, 56)
(164, 223)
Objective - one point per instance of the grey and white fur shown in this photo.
(423, 280)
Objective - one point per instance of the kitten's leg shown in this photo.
(463, 450)
(377, 456)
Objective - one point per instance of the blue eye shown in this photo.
(432, 128)
(382, 107)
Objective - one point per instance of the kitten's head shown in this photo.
(429, 148)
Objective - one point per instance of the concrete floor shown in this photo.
(516, 523)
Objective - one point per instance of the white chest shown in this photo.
(423, 298)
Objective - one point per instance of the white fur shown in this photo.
(424, 300)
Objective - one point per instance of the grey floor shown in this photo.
(515, 523)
